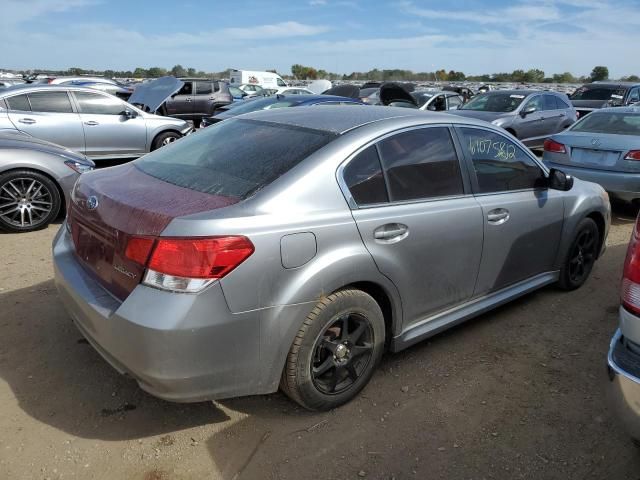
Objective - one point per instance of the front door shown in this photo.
(522, 218)
(47, 116)
(108, 130)
(181, 104)
(531, 127)
(422, 229)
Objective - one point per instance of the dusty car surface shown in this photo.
(306, 241)
(603, 147)
(88, 121)
(624, 351)
(36, 178)
(529, 115)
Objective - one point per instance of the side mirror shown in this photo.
(527, 111)
(558, 180)
(129, 114)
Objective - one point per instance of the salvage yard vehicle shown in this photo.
(185, 98)
(88, 121)
(279, 101)
(603, 147)
(307, 241)
(437, 101)
(529, 115)
(624, 350)
(36, 178)
(268, 80)
(596, 95)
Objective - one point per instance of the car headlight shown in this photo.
(78, 167)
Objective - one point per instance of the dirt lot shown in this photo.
(517, 393)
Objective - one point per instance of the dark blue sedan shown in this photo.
(278, 101)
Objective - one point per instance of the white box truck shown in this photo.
(268, 80)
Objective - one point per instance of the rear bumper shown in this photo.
(624, 385)
(179, 347)
(623, 186)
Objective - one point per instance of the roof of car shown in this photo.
(44, 86)
(519, 91)
(340, 119)
(628, 109)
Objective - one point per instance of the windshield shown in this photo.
(234, 158)
(609, 122)
(422, 97)
(495, 102)
(254, 105)
(598, 92)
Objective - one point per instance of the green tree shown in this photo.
(631, 78)
(565, 77)
(140, 73)
(155, 72)
(178, 71)
(599, 73)
(534, 75)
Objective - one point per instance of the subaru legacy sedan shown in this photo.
(94, 123)
(290, 248)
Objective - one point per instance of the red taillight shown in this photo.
(630, 294)
(204, 258)
(138, 249)
(553, 146)
(633, 155)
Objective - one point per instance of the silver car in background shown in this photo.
(88, 121)
(602, 147)
(529, 115)
(35, 180)
(291, 247)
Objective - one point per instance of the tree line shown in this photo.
(302, 72)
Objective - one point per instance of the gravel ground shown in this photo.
(518, 393)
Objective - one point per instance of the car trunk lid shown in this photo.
(594, 151)
(112, 205)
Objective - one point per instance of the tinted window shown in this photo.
(187, 89)
(454, 101)
(561, 103)
(234, 158)
(634, 96)
(204, 88)
(536, 102)
(281, 83)
(19, 102)
(50, 102)
(609, 122)
(500, 165)
(98, 104)
(421, 164)
(550, 102)
(495, 102)
(364, 178)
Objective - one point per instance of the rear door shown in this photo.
(181, 104)
(554, 115)
(532, 126)
(107, 130)
(522, 218)
(203, 98)
(49, 116)
(417, 219)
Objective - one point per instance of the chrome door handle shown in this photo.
(391, 232)
(187, 100)
(28, 121)
(498, 216)
(91, 123)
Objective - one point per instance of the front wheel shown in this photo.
(335, 351)
(581, 256)
(164, 139)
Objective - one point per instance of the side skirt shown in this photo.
(437, 323)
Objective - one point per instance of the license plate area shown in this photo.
(594, 158)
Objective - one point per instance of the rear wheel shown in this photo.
(581, 256)
(335, 351)
(28, 201)
(164, 139)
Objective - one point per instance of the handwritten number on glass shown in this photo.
(500, 150)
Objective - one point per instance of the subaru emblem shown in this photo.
(92, 202)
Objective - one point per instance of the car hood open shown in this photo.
(150, 95)
(394, 92)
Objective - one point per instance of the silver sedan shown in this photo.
(291, 247)
(35, 180)
(88, 121)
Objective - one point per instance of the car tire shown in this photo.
(581, 255)
(164, 139)
(30, 201)
(329, 364)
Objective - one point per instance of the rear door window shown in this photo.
(56, 102)
(19, 102)
(550, 102)
(421, 164)
(91, 103)
(234, 158)
(454, 102)
(204, 88)
(364, 178)
(499, 164)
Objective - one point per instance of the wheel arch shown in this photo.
(598, 218)
(162, 132)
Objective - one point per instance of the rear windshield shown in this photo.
(234, 158)
(263, 104)
(598, 92)
(609, 122)
(495, 102)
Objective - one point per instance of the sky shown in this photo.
(340, 36)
